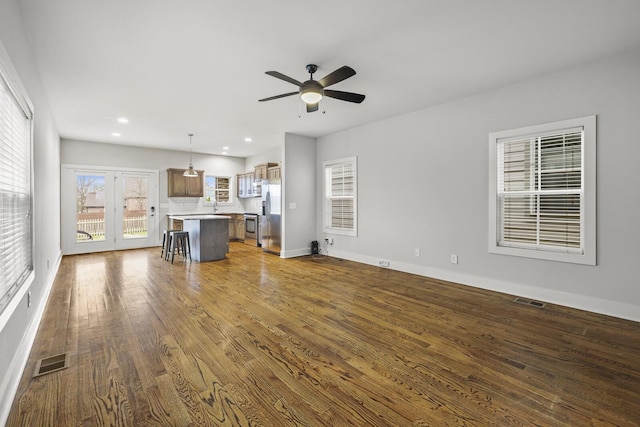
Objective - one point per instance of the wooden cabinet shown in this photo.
(261, 170)
(179, 185)
(248, 183)
(273, 172)
(236, 226)
(239, 227)
(174, 224)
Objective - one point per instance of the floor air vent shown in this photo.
(51, 364)
(530, 302)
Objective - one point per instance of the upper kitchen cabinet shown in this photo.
(273, 172)
(261, 171)
(245, 185)
(183, 186)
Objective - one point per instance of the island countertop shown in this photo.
(198, 217)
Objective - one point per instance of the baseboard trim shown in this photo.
(296, 253)
(16, 369)
(580, 302)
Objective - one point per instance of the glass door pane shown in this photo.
(136, 198)
(135, 190)
(90, 208)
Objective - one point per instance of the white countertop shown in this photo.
(199, 217)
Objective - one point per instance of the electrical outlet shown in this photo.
(384, 263)
(454, 259)
(416, 251)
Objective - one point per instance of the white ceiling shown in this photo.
(174, 67)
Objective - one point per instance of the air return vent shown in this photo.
(51, 364)
(530, 302)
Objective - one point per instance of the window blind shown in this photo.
(15, 194)
(540, 191)
(340, 196)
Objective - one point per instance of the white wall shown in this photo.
(423, 183)
(17, 335)
(298, 202)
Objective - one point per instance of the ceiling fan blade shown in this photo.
(281, 76)
(277, 96)
(312, 107)
(338, 75)
(344, 96)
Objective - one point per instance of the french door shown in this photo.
(108, 209)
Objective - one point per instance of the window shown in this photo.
(16, 223)
(217, 188)
(340, 197)
(542, 191)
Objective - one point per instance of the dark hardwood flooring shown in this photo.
(255, 340)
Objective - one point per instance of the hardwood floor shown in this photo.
(257, 340)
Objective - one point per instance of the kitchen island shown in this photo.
(209, 235)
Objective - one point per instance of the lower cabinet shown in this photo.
(239, 227)
(236, 227)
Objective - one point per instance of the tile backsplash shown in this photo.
(196, 205)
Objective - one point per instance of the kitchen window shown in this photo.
(217, 188)
(16, 193)
(542, 191)
(340, 197)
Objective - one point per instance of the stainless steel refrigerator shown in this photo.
(271, 219)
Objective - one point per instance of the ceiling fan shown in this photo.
(312, 91)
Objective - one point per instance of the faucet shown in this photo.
(215, 205)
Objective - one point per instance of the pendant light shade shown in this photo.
(191, 173)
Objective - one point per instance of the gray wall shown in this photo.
(17, 335)
(423, 183)
(298, 201)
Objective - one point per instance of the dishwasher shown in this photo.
(252, 229)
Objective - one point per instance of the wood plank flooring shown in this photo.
(255, 340)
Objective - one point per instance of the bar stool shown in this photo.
(179, 241)
(166, 240)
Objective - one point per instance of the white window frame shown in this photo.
(587, 253)
(13, 293)
(206, 202)
(327, 169)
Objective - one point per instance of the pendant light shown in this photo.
(191, 173)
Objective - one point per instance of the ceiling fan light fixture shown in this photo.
(311, 97)
(191, 172)
(311, 92)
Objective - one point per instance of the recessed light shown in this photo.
(225, 148)
(247, 139)
(123, 120)
(224, 153)
(115, 134)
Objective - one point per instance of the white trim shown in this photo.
(326, 228)
(589, 190)
(580, 302)
(295, 253)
